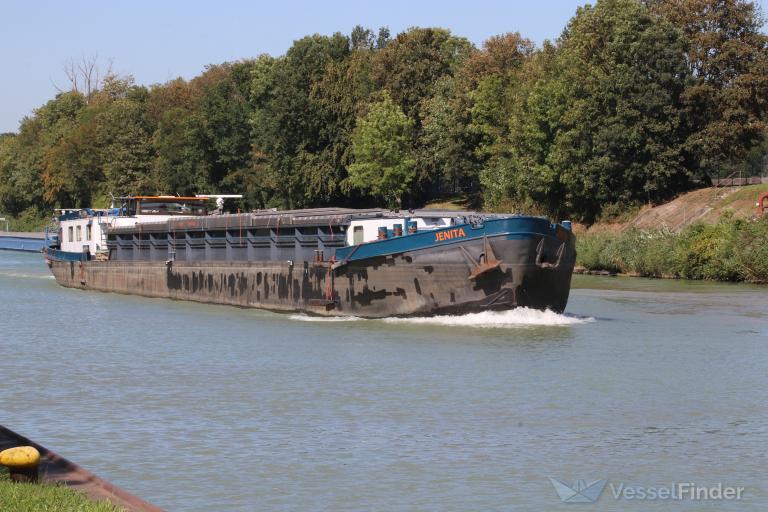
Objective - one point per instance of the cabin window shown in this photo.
(79, 233)
(357, 235)
(88, 233)
(69, 235)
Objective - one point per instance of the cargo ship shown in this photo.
(369, 263)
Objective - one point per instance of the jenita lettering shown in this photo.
(442, 236)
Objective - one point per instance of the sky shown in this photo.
(156, 41)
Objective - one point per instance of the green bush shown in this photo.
(28, 220)
(593, 252)
(752, 251)
(731, 250)
(708, 251)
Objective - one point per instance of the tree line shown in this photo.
(635, 102)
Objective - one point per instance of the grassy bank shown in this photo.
(48, 497)
(730, 250)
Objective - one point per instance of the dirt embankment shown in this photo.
(704, 205)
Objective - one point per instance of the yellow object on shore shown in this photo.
(20, 457)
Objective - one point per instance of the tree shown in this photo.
(224, 112)
(362, 38)
(8, 199)
(339, 98)
(174, 94)
(383, 38)
(43, 183)
(470, 110)
(73, 172)
(381, 146)
(85, 76)
(447, 146)
(181, 166)
(727, 57)
(413, 68)
(124, 137)
(288, 125)
(603, 120)
(409, 66)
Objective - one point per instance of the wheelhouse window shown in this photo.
(88, 233)
(69, 234)
(79, 233)
(357, 235)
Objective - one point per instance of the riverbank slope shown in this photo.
(711, 233)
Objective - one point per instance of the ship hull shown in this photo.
(493, 273)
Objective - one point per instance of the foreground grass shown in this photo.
(731, 250)
(15, 497)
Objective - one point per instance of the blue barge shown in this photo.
(28, 242)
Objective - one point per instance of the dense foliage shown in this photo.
(731, 250)
(636, 101)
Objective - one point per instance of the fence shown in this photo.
(739, 182)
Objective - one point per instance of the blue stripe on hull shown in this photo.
(514, 228)
(55, 254)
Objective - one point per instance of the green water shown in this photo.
(199, 408)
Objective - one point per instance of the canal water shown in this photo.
(196, 408)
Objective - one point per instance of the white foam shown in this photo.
(308, 318)
(26, 276)
(519, 317)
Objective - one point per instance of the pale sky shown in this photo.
(156, 41)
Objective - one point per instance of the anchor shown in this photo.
(488, 261)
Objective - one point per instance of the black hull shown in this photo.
(532, 272)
